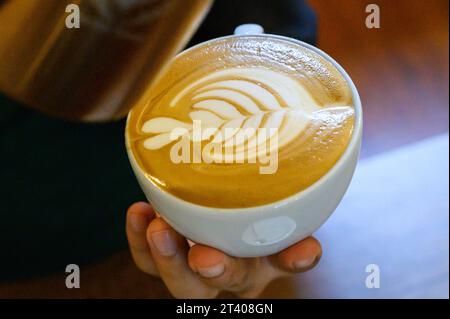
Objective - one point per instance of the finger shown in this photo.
(139, 216)
(299, 257)
(248, 277)
(220, 270)
(169, 250)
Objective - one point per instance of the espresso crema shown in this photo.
(242, 122)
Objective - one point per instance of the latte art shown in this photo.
(249, 89)
(227, 126)
(231, 107)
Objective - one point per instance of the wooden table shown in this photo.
(394, 216)
(401, 71)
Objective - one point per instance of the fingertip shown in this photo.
(206, 261)
(162, 237)
(139, 216)
(301, 256)
(157, 225)
(141, 208)
(200, 256)
(169, 250)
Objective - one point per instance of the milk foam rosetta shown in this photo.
(242, 122)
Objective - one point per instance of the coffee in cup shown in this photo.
(226, 88)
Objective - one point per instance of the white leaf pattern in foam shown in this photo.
(263, 96)
(235, 97)
(293, 94)
(163, 125)
(228, 130)
(157, 141)
(207, 131)
(206, 117)
(221, 108)
(274, 120)
(273, 100)
(247, 131)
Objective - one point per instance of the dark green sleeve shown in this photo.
(64, 191)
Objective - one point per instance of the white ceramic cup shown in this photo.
(267, 229)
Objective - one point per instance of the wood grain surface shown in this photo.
(400, 70)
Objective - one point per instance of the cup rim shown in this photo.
(354, 140)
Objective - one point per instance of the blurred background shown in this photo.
(395, 214)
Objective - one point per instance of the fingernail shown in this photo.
(139, 222)
(165, 243)
(305, 263)
(213, 271)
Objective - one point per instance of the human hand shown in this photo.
(201, 271)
